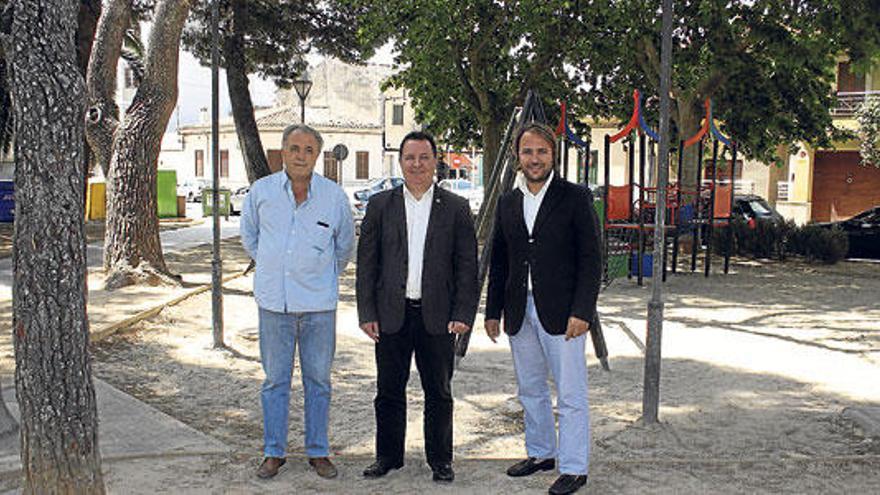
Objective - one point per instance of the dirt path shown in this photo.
(758, 366)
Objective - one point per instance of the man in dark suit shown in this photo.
(544, 278)
(416, 289)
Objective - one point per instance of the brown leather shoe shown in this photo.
(323, 466)
(270, 467)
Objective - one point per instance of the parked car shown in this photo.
(465, 189)
(863, 231)
(754, 207)
(360, 197)
(191, 189)
(236, 200)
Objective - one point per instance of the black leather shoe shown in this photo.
(443, 473)
(530, 466)
(568, 483)
(380, 468)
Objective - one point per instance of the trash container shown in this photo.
(647, 264)
(7, 201)
(207, 202)
(166, 193)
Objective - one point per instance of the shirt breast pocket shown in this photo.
(321, 238)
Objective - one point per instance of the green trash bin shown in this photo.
(208, 202)
(166, 193)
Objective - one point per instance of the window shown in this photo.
(224, 163)
(200, 163)
(362, 165)
(330, 166)
(847, 81)
(397, 115)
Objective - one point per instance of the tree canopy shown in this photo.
(767, 65)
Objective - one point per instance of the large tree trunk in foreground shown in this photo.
(255, 162)
(132, 250)
(53, 378)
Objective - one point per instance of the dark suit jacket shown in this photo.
(563, 253)
(449, 270)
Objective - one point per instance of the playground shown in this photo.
(761, 370)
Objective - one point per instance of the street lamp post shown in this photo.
(302, 87)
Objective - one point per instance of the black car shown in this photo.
(863, 231)
(752, 206)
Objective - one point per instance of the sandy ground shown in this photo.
(758, 366)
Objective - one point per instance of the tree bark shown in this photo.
(255, 162)
(103, 115)
(53, 378)
(491, 135)
(132, 250)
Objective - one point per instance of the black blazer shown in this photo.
(563, 253)
(449, 269)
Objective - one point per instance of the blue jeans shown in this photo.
(534, 353)
(279, 335)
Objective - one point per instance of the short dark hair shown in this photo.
(541, 129)
(418, 136)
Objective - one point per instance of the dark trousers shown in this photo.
(434, 359)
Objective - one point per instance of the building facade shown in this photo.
(345, 104)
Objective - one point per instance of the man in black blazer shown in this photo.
(544, 278)
(416, 289)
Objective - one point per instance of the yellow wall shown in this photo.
(800, 168)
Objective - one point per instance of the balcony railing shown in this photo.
(848, 103)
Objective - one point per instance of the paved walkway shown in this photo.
(131, 432)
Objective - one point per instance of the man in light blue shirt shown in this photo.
(298, 227)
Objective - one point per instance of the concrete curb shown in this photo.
(104, 333)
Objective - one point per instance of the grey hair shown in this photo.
(301, 128)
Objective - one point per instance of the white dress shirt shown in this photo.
(531, 205)
(418, 211)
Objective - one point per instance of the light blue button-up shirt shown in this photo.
(300, 250)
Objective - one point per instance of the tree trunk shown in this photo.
(492, 134)
(255, 162)
(53, 377)
(132, 250)
(103, 115)
(688, 116)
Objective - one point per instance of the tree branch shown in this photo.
(102, 118)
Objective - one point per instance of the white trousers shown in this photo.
(534, 352)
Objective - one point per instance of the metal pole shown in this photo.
(729, 247)
(641, 247)
(710, 229)
(302, 110)
(216, 262)
(698, 209)
(651, 397)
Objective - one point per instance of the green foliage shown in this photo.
(776, 240)
(467, 64)
(820, 244)
(277, 34)
(767, 65)
(869, 132)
